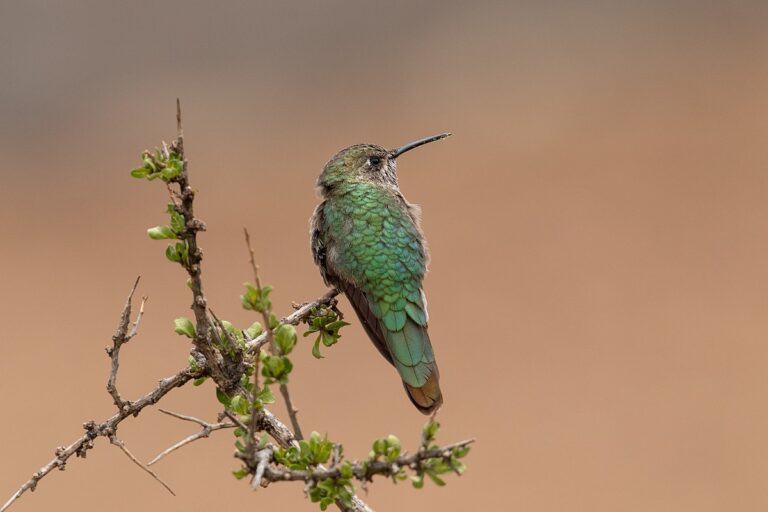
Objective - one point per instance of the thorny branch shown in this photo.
(361, 471)
(274, 427)
(223, 372)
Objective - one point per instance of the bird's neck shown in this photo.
(350, 189)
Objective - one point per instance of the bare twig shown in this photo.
(122, 336)
(184, 417)
(137, 322)
(208, 428)
(293, 413)
(117, 442)
(252, 259)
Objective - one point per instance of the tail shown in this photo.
(411, 353)
(401, 337)
(428, 397)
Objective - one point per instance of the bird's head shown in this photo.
(367, 162)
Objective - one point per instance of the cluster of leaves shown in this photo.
(178, 252)
(437, 466)
(239, 404)
(387, 448)
(276, 367)
(161, 163)
(233, 339)
(256, 298)
(166, 165)
(336, 489)
(228, 339)
(327, 323)
(308, 455)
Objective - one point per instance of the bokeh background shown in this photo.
(598, 227)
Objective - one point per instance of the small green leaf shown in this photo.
(285, 338)
(393, 448)
(177, 222)
(429, 432)
(276, 368)
(266, 396)
(140, 172)
(379, 447)
(241, 473)
(254, 330)
(328, 339)
(183, 251)
(149, 163)
(255, 299)
(172, 255)
(438, 481)
(461, 451)
(346, 470)
(316, 348)
(161, 233)
(320, 448)
(170, 172)
(185, 327)
(222, 397)
(334, 327)
(239, 404)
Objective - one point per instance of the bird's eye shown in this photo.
(374, 161)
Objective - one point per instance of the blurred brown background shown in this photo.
(598, 227)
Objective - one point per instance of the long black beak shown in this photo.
(402, 149)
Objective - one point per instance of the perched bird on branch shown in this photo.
(367, 242)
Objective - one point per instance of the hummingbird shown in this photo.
(367, 241)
